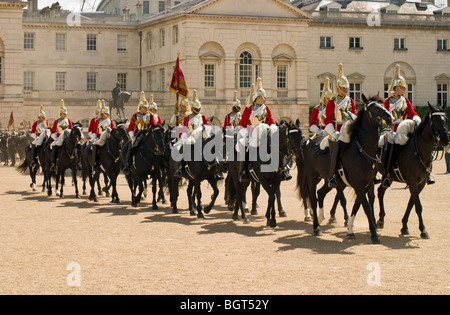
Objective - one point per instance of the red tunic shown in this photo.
(186, 121)
(132, 126)
(330, 115)
(245, 120)
(97, 125)
(34, 128)
(409, 111)
(315, 118)
(55, 127)
(93, 125)
(154, 122)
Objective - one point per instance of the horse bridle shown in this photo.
(378, 118)
(437, 134)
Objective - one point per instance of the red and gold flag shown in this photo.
(178, 83)
(11, 121)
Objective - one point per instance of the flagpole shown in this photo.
(178, 88)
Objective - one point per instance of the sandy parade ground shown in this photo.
(75, 246)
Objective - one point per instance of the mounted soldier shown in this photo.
(233, 119)
(92, 130)
(103, 133)
(405, 118)
(339, 110)
(57, 133)
(39, 130)
(317, 121)
(138, 122)
(155, 119)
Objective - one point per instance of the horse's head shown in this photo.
(295, 137)
(438, 121)
(378, 114)
(77, 133)
(120, 134)
(156, 138)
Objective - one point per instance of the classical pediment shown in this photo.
(211, 56)
(442, 78)
(283, 57)
(325, 75)
(356, 76)
(249, 8)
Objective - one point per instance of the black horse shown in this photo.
(67, 158)
(109, 160)
(414, 161)
(197, 168)
(150, 149)
(357, 160)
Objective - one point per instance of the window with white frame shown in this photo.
(149, 80)
(442, 44)
(355, 43)
(91, 81)
(281, 77)
(209, 75)
(162, 75)
(245, 70)
(121, 43)
(28, 80)
(60, 80)
(60, 42)
(161, 6)
(122, 79)
(400, 43)
(162, 36)
(28, 41)
(91, 42)
(355, 91)
(410, 93)
(442, 94)
(326, 42)
(149, 40)
(175, 34)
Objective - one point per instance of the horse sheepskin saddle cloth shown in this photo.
(405, 128)
(344, 136)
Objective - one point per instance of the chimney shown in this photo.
(168, 5)
(126, 14)
(32, 8)
(139, 11)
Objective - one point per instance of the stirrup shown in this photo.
(178, 173)
(385, 182)
(430, 181)
(219, 176)
(332, 182)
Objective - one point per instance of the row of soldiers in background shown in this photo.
(13, 144)
(335, 109)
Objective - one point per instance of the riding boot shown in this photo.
(387, 165)
(129, 160)
(243, 169)
(285, 171)
(53, 158)
(334, 151)
(179, 172)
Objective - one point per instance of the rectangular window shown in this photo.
(91, 42)
(0, 70)
(442, 44)
(355, 91)
(400, 43)
(28, 41)
(146, 7)
(149, 41)
(149, 80)
(386, 89)
(245, 76)
(281, 77)
(442, 94)
(161, 6)
(61, 42)
(162, 35)
(28, 80)
(60, 80)
(162, 75)
(122, 79)
(209, 76)
(91, 81)
(355, 43)
(410, 93)
(326, 42)
(175, 35)
(121, 43)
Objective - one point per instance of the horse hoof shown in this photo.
(332, 220)
(200, 216)
(350, 236)
(77, 196)
(282, 214)
(115, 201)
(425, 235)
(100, 193)
(245, 220)
(404, 231)
(164, 202)
(155, 207)
(175, 211)
(308, 218)
(235, 217)
(317, 232)
(84, 193)
(108, 195)
(134, 204)
(61, 196)
(375, 239)
(192, 212)
(254, 212)
(380, 224)
(271, 223)
(207, 209)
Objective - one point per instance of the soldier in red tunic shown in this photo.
(138, 122)
(339, 110)
(155, 119)
(233, 119)
(38, 131)
(92, 130)
(57, 133)
(317, 121)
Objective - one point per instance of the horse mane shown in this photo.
(355, 125)
(422, 125)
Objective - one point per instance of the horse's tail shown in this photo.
(22, 168)
(302, 182)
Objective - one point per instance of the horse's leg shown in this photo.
(213, 183)
(75, 181)
(361, 195)
(190, 197)
(381, 193)
(281, 212)
(415, 191)
(198, 193)
(92, 181)
(270, 212)
(341, 196)
(61, 191)
(409, 207)
(154, 191)
(256, 190)
(350, 232)
(321, 194)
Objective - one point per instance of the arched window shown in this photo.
(245, 70)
